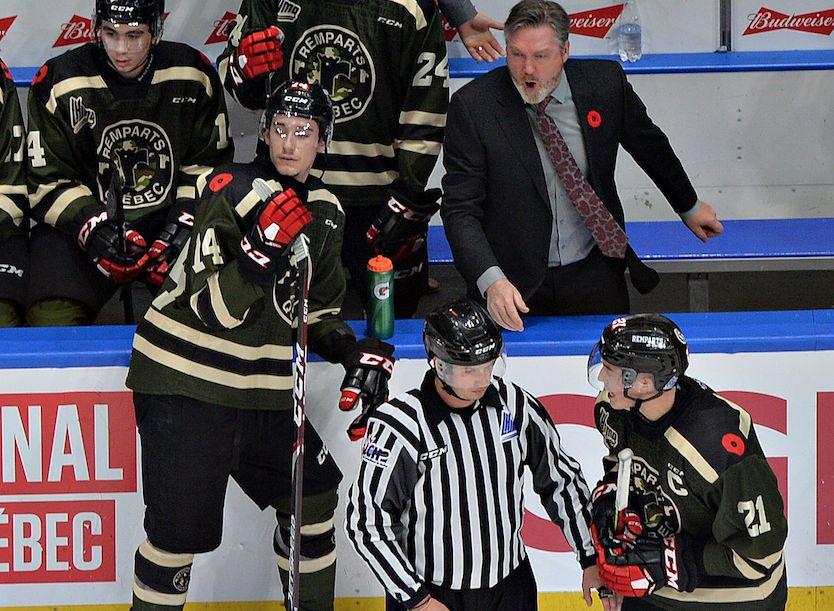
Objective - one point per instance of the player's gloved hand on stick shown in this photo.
(368, 369)
(647, 564)
(258, 53)
(402, 224)
(277, 223)
(167, 247)
(617, 530)
(120, 257)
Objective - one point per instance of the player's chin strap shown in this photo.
(639, 402)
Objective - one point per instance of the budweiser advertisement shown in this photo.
(783, 24)
(71, 504)
(31, 35)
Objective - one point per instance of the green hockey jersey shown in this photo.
(707, 475)
(214, 335)
(384, 63)
(13, 203)
(161, 130)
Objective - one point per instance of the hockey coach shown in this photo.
(437, 508)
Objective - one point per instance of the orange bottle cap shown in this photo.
(380, 264)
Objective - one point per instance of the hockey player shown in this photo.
(704, 526)
(14, 250)
(384, 63)
(155, 112)
(437, 508)
(211, 368)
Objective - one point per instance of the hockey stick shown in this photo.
(116, 212)
(301, 259)
(624, 459)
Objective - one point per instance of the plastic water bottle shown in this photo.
(630, 33)
(380, 298)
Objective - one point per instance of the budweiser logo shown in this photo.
(76, 31)
(768, 20)
(5, 25)
(595, 23)
(222, 27)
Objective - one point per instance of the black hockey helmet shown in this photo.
(462, 333)
(644, 343)
(301, 99)
(131, 12)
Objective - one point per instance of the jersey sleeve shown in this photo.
(750, 527)
(423, 115)
(557, 478)
(57, 191)
(253, 15)
(13, 200)
(210, 144)
(327, 289)
(457, 12)
(387, 478)
(210, 279)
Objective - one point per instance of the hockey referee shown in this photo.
(437, 508)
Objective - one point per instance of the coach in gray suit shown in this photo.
(530, 207)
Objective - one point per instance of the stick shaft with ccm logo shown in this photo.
(301, 260)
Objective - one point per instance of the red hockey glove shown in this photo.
(618, 532)
(368, 367)
(402, 224)
(649, 563)
(119, 255)
(258, 53)
(167, 247)
(277, 224)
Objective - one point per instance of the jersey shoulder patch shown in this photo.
(422, 11)
(76, 69)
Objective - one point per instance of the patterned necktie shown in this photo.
(609, 236)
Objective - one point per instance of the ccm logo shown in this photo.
(184, 100)
(374, 360)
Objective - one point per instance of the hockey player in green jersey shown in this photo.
(701, 523)
(211, 368)
(384, 63)
(154, 111)
(14, 251)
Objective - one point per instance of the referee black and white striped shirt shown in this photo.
(439, 494)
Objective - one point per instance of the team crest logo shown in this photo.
(284, 297)
(660, 515)
(336, 59)
(182, 579)
(142, 154)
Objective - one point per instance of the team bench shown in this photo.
(746, 246)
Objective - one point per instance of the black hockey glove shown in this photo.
(167, 247)
(118, 254)
(649, 563)
(277, 223)
(369, 367)
(402, 224)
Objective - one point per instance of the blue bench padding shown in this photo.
(732, 332)
(671, 240)
(654, 63)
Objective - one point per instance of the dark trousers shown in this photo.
(594, 285)
(516, 592)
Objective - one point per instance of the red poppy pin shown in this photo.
(220, 181)
(594, 119)
(733, 444)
